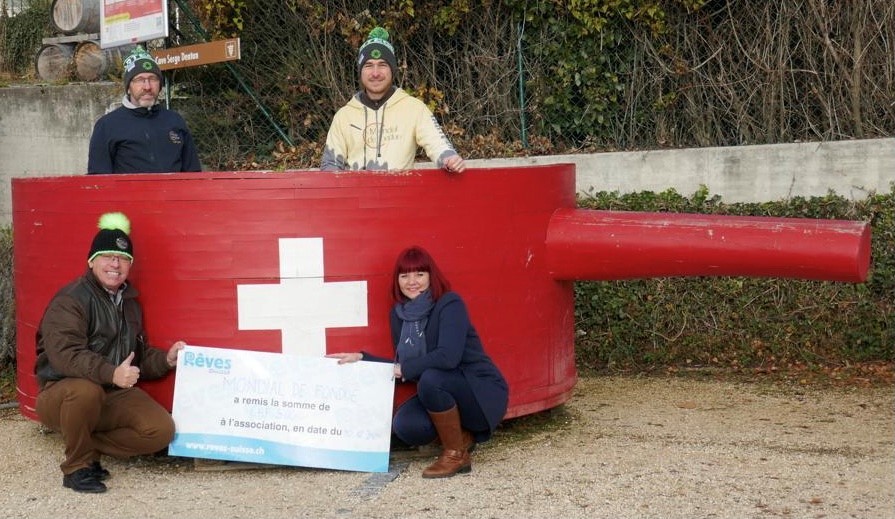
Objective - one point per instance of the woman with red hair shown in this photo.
(461, 395)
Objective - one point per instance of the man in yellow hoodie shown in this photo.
(381, 126)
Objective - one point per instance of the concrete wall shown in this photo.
(764, 173)
(45, 130)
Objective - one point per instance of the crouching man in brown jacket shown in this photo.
(91, 350)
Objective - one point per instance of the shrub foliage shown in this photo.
(733, 322)
(7, 301)
(524, 77)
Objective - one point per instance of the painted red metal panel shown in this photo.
(258, 260)
(201, 238)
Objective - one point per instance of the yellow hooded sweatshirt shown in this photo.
(385, 138)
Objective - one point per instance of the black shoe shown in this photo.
(83, 480)
(99, 472)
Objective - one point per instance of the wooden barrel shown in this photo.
(93, 63)
(54, 61)
(76, 16)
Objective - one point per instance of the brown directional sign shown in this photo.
(195, 55)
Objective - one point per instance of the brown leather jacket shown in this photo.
(84, 334)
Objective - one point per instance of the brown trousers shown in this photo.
(94, 421)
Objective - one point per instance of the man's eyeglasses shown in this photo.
(112, 258)
(152, 80)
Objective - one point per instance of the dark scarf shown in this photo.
(414, 314)
(375, 104)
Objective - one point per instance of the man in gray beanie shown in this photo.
(141, 136)
(381, 125)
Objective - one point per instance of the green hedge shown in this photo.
(734, 322)
(7, 301)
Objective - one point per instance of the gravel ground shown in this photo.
(620, 448)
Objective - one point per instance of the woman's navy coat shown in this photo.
(453, 343)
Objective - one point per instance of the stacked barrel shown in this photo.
(75, 52)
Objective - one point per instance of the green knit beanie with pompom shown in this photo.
(377, 46)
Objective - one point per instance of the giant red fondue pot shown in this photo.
(300, 261)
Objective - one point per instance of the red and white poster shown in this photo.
(131, 21)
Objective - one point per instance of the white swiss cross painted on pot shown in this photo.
(301, 304)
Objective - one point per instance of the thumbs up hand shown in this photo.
(126, 375)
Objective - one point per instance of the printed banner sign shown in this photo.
(282, 409)
(131, 21)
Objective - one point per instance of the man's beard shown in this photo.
(145, 101)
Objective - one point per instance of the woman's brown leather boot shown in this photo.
(454, 458)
